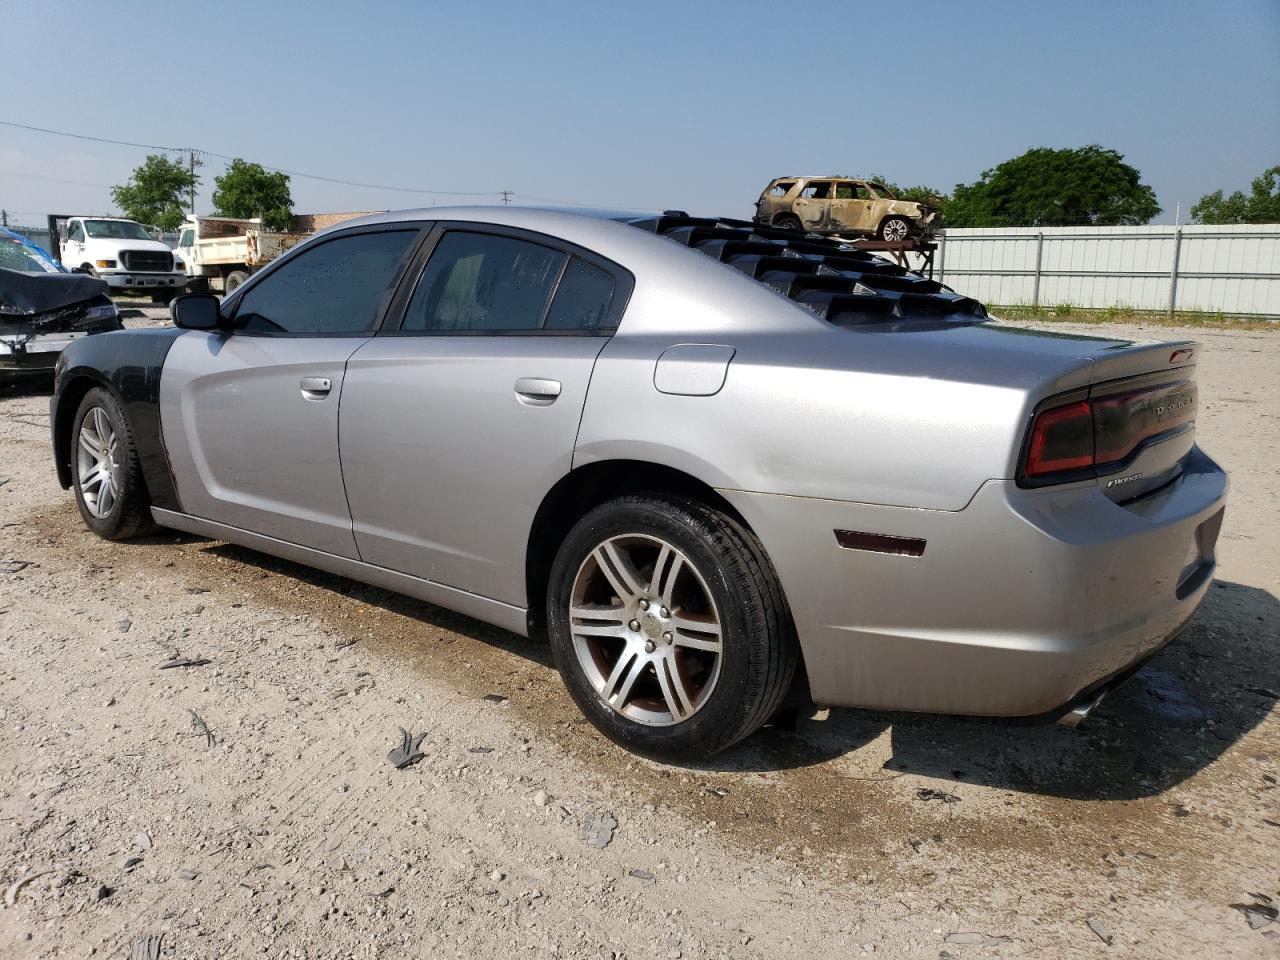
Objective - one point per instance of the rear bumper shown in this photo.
(1019, 604)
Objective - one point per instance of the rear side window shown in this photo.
(484, 283)
(582, 299)
(335, 288)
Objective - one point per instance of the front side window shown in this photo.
(77, 233)
(782, 189)
(186, 238)
(484, 283)
(335, 288)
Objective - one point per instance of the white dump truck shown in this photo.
(221, 252)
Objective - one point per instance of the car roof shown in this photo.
(828, 177)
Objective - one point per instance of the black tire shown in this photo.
(759, 648)
(233, 280)
(789, 221)
(895, 228)
(164, 296)
(130, 511)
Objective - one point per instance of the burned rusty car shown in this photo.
(844, 206)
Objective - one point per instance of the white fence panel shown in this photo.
(1229, 269)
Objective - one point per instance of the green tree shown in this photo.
(1262, 205)
(919, 193)
(1046, 187)
(155, 192)
(249, 190)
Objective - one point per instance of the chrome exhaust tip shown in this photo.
(1079, 713)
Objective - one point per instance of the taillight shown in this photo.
(1103, 432)
(1061, 439)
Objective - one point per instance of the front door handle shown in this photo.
(315, 388)
(537, 391)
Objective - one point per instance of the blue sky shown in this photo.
(657, 104)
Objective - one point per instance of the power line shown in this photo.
(223, 156)
(32, 176)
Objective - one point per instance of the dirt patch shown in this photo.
(280, 824)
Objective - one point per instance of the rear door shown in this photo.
(813, 206)
(250, 415)
(455, 425)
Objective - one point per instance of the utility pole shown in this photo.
(506, 196)
(195, 162)
(4, 218)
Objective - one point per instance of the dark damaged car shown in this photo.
(43, 308)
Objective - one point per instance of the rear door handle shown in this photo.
(315, 388)
(537, 391)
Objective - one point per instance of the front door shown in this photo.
(250, 415)
(851, 209)
(455, 427)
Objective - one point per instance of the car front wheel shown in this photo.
(669, 627)
(110, 490)
(896, 229)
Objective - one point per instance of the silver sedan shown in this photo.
(716, 463)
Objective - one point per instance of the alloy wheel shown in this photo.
(895, 230)
(96, 459)
(645, 629)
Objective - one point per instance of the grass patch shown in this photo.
(1069, 313)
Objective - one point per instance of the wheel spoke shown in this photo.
(625, 673)
(619, 571)
(696, 634)
(106, 497)
(673, 688)
(599, 630)
(666, 570)
(102, 425)
(89, 441)
(92, 478)
(592, 620)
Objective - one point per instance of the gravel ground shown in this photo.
(286, 832)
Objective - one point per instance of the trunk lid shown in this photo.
(1144, 401)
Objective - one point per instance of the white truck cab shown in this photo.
(122, 253)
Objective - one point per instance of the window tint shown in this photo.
(476, 281)
(582, 299)
(334, 288)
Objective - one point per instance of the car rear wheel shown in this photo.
(234, 279)
(106, 475)
(896, 229)
(788, 221)
(669, 627)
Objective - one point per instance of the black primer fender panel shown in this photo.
(129, 363)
